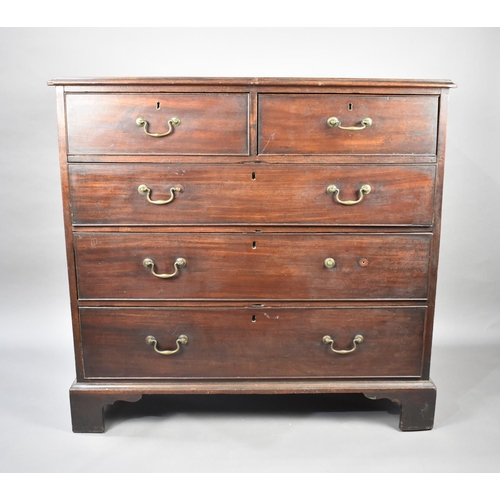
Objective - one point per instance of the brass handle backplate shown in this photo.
(146, 191)
(332, 189)
(333, 122)
(181, 339)
(173, 122)
(357, 340)
(180, 262)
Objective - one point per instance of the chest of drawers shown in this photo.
(261, 236)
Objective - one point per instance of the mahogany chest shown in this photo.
(252, 235)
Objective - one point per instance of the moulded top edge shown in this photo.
(319, 82)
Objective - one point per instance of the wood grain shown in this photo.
(227, 266)
(106, 194)
(253, 157)
(297, 124)
(370, 83)
(416, 397)
(106, 123)
(235, 343)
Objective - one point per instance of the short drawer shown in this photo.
(298, 124)
(107, 124)
(254, 266)
(135, 194)
(246, 343)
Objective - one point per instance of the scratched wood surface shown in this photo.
(252, 158)
(236, 342)
(251, 194)
(253, 266)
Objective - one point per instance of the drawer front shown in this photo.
(297, 124)
(262, 195)
(241, 342)
(106, 124)
(254, 266)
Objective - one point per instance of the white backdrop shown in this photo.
(34, 301)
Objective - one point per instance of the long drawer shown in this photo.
(258, 266)
(245, 343)
(135, 194)
(111, 124)
(312, 124)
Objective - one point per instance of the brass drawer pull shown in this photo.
(146, 191)
(357, 340)
(173, 122)
(333, 122)
(330, 263)
(180, 262)
(335, 191)
(181, 339)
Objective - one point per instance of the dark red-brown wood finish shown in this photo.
(293, 226)
(253, 266)
(107, 123)
(275, 343)
(108, 195)
(295, 124)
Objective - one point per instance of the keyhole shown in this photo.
(253, 176)
(158, 105)
(349, 106)
(254, 318)
(254, 245)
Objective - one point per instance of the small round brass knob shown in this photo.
(330, 263)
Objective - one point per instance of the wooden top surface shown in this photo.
(320, 82)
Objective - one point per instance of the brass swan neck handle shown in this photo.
(181, 339)
(173, 122)
(332, 189)
(180, 262)
(357, 340)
